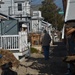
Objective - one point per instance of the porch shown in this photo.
(18, 44)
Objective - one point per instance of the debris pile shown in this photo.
(7, 56)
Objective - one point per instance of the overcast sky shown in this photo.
(58, 2)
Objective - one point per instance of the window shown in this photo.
(19, 7)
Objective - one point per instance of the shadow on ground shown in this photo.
(55, 65)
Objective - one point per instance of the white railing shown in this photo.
(14, 42)
(9, 42)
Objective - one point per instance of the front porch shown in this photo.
(18, 44)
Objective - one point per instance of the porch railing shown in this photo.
(14, 42)
(9, 42)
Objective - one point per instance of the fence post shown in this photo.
(20, 41)
(1, 42)
(29, 44)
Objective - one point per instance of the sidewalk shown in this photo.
(36, 65)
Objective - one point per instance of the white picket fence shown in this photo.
(15, 42)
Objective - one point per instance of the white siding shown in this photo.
(4, 7)
(14, 9)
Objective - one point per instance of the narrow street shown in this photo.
(36, 65)
(54, 66)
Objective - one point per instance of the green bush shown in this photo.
(34, 50)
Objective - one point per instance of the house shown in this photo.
(37, 26)
(19, 9)
(36, 21)
(21, 21)
(17, 27)
(11, 38)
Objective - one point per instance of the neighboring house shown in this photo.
(38, 24)
(21, 21)
(36, 21)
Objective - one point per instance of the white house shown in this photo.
(38, 24)
(36, 21)
(15, 7)
(20, 10)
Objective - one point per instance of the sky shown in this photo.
(58, 2)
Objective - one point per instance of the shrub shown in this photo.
(34, 50)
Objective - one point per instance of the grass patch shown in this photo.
(34, 50)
